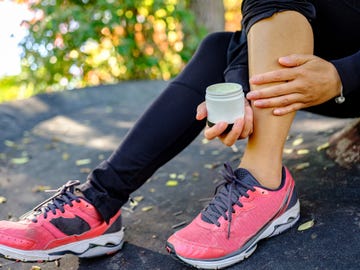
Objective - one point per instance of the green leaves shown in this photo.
(142, 39)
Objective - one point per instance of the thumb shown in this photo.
(294, 60)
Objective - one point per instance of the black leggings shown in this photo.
(166, 128)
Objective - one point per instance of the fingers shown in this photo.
(215, 131)
(248, 121)
(234, 134)
(272, 91)
(279, 101)
(288, 109)
(294, 60)
(280, 75)
(201, 111)
(283, 75)
(218, 131)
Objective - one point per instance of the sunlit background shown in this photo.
(11, 33)
(48, 46)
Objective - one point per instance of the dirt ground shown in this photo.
(48, 139)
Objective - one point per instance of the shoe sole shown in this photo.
(103, 245)
(277, 226)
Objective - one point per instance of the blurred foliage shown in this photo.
(79, 43)
(82, 43)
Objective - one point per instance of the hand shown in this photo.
(306, 81)
(241, 129)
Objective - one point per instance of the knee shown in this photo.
(256, 10)
(214, 40)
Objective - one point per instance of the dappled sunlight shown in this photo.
(37, 106)
(318, 123)
(123, 124)
(67, 130)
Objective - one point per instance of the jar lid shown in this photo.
(223, 88)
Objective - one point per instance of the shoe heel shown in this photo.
(286, 220)
(101, 251)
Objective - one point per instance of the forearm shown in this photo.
(349, 72)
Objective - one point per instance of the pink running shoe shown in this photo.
(63, 224)
(239, 216)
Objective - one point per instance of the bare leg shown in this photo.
(284, 33)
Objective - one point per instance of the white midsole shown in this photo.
(103, 244)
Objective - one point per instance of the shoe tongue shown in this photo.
(245, 176)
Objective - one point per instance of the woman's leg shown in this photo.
(282, 34)
(164, 130)
(244, 212)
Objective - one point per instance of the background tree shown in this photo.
(209, 13)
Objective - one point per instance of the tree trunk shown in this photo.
(210, 14)
(345, 145)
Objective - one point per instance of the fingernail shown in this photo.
(250, 95)
(285, 59)
(277, 112)
(258, 103)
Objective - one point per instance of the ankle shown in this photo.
(269, 182)
(268, 177)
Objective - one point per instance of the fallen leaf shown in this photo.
(35, 267)
(234, 148)
(288, 150)
(19, 161)
(147, 208)
(2, 199)
(133, 204)
(81, 162)
(322, 146)
(40, 188)
(205, 141)
(302, 151)
(9, 143)
(209, 166)
(307, 225)
(138, 198)
(65, 156)
(302, 166)
(181, 176)
(172, 175)
(171, 183)
(298, 141)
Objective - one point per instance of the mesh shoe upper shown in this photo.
(60, 220)
(240, 209)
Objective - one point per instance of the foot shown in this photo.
(63, 224)
(239, 216)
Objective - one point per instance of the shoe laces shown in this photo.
(222, 204)
(64, 195)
